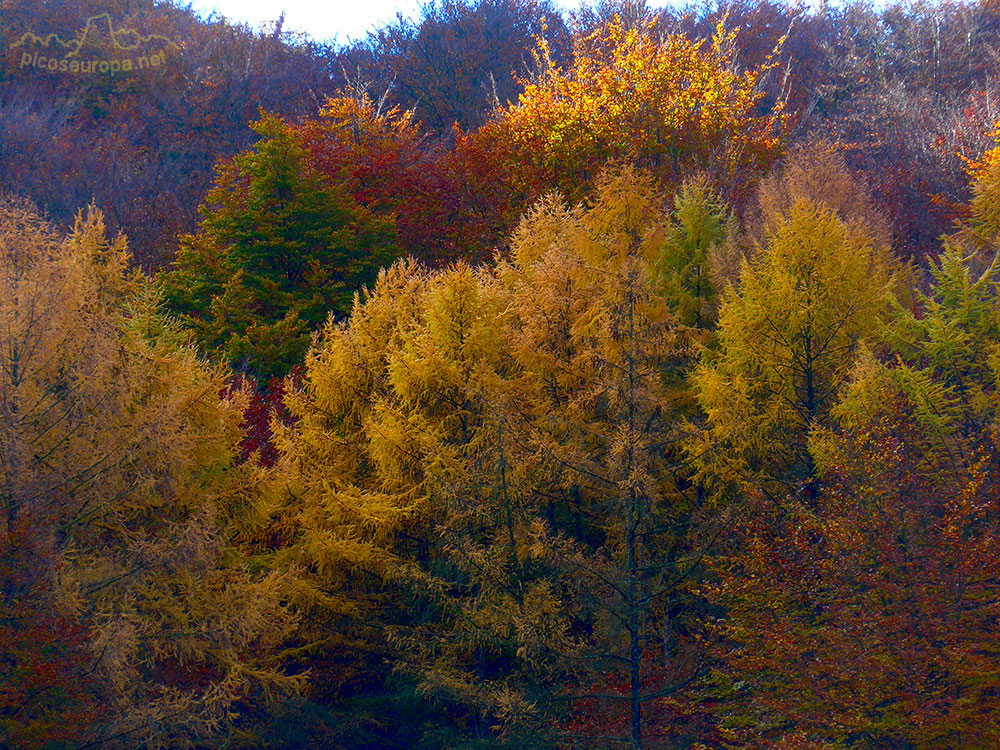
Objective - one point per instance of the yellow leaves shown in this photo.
(575, 273)
(406, 447)
(437, 428)
(536, 543)
(116, 441)
(107, 260)
(358, 115)
(539, 228)
(788, 339)
(95, 388)
(453, 336)
(390, 410)
(626, 217)
(667, 103)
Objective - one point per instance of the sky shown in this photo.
(324, 20)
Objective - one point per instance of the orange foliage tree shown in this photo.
(868, 619)
(664, 102)
(392, 166)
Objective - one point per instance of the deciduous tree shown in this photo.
(867, 616)
(664, 103)
(787, 338)
(116, 486)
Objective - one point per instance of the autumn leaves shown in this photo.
(127, 615)
(858, 434)
(664, 467)
(315, 207)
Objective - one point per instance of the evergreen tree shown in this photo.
(279, 248)
(701, 225)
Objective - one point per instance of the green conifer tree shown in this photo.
(279, 248)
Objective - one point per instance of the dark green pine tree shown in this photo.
(279, 248)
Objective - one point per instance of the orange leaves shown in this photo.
(984, 211)
(390, 165)
(666, 103)
(355, 138)
(870, 610)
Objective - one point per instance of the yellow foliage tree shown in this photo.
(666, 103)
(499, 451)
(594, 340)
(981, 229)
(865, 608)
(116, 451)
(394, 491)
(787, 340)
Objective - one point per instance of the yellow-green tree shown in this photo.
(788, 336)
(701, 226)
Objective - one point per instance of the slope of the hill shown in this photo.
(140, 143)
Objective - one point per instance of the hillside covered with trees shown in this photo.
(508, 378)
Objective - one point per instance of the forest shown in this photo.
(510, 377)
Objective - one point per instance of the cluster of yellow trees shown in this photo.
(500, 486)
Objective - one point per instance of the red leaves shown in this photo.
(393, 167)
(601, 711)
(266, 404)
(873, 613)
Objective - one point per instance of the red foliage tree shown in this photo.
(265, 405)
(869, 618)
(392, 166)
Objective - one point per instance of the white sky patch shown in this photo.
(323, 20)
